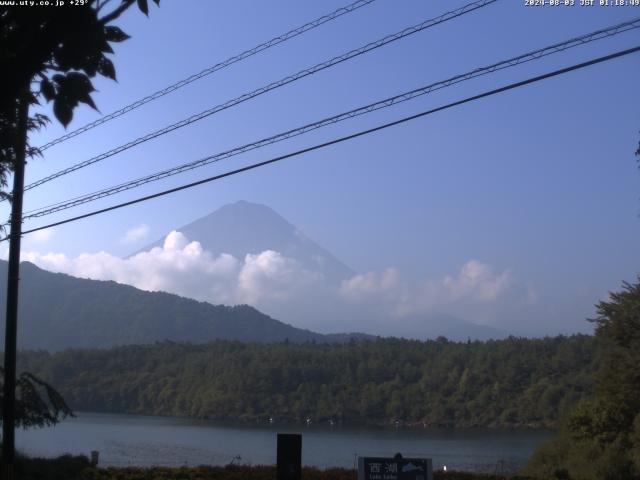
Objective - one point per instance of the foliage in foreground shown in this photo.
(497, 383)
(78, 468)
(38, 404)
(66, 467)
(600, 438)
(51, 54)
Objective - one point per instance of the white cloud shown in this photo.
(42, 236)
(371, 283)
(478, 281)
(269, 275)
(136, 234)
(475, 283)
(531, 295)
(183, 267)
(376, 302)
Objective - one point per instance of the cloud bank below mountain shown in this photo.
(374, 302)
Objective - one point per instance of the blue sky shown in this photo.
(540, 182)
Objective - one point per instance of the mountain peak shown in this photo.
(245, 206)
(243, 228)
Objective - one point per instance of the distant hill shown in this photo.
(431, 325)
(242, 227)
(58, 311)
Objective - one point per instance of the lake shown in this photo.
(145, 440)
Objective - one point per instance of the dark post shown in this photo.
(289, 456)
(11, 329)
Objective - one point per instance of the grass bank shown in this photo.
(79, 468)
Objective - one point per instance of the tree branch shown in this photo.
(117, 12)
(102, 4)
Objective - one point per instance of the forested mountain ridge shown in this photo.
(58, 311)
(512, 382)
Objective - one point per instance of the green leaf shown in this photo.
(91, 65)
(106, 47)
(106, 68)
(75, 85)
(115, 34)
(88, 100)
(77, 88)
(47, 89)
(143, 6)
(63, 111)
(31, 98)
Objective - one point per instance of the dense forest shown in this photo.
(514, 381)
(600, 437)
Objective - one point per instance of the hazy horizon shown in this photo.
(292, 282)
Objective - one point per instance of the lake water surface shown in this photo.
(144, 440)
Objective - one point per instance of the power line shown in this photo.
(533, 55)
(208, 71)
(505, 88)
(272, 86)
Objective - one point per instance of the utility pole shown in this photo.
(11, 329)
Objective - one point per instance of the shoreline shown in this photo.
(145, 441)
(286, 423)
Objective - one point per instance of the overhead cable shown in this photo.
(272, 86)
(212, 69)
(381, 104)
(505, 88)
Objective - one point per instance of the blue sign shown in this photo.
(396, 468)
